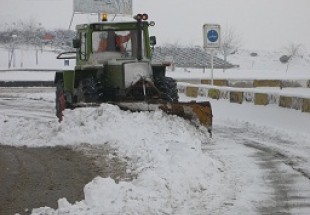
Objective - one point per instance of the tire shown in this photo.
(89, 90)
(168, 87)
(60, 100)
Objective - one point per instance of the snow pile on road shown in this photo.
(173, 174)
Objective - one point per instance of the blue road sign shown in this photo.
(212, 36)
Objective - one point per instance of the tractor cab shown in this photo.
(97, 43)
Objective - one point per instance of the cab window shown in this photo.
(123, 42)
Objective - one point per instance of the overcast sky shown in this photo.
(261, 24)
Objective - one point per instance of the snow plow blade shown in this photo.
(198, 113)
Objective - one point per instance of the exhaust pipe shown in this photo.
(139, 40)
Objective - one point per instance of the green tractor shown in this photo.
(113, 65)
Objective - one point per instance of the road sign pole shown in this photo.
(212, 58)
(211, 42)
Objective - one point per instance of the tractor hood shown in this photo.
(135, 71)
(131, 71)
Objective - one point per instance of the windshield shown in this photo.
(123, 42)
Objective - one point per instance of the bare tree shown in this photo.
(10, 41)
(292, 51)
(28, 31)
(230, 42)
(21, 33)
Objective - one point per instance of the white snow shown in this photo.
(179, 169)
(264, 66)
(165, 152)
(25, 59)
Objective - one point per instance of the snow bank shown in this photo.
(173, 173)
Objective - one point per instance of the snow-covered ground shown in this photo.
(31, 57)
(179, 169)
(25, 58)
(266, 65)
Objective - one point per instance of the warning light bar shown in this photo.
(104, 17)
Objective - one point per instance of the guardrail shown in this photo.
(264, 93)
(250, 83)
(234, 90)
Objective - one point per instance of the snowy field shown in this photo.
(26, 59)
(179, 169)
(266, 65)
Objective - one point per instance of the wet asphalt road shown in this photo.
(38, 177)
(287, 183)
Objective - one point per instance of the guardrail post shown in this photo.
(236, 97)
(214, 94)
(285, 102)
(306, 105)
(261, 99)
(191, 92)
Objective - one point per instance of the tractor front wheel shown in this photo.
(168, 87)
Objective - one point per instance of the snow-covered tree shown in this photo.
(292, 51)
(230, 42)
(21, 33)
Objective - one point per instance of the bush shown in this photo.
(284, 58)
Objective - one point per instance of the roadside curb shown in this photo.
(27, 84)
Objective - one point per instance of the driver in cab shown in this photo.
(110, 41)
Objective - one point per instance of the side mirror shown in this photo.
(76, 43)
(152, 40)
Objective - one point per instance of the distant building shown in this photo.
(189, 58)
(48, 38)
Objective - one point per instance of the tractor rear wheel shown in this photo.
(60, 100)
(168, 87)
